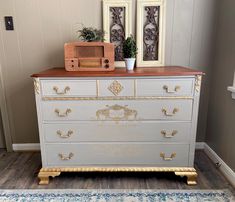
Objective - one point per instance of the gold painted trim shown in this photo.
(189, 172)
(119, 98)
(135, 88)
(36, 85)
(97, 88)
(198, 83)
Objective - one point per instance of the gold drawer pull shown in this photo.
(166, 88)
(56, 89)
(69, 133)
(64, 114)
(64, 158)
(175, 110)
(173, 155)
(164, 133)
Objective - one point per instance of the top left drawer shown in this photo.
(69, 88)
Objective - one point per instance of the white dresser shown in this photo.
(140, 121)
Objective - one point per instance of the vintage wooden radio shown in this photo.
(89, 56)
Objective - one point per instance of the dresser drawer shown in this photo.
(165, 87)
(124, 87)
(117, 154)
(117, 110)
(62, 88)
(148, 131)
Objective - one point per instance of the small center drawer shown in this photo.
(165, 87)
(63, 88)
(116, 88)
(117, 154)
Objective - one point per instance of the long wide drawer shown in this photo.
(117, 110)
(135, 131)
(117, 154)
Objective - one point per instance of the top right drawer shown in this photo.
(165, 87)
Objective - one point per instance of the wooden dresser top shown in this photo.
(121, 72)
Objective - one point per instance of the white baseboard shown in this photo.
(26, 147)
(224, 168)
(200, 145)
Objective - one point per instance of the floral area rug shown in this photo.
(74, 195)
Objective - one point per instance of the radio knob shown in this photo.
(106, 61)
(106, 66)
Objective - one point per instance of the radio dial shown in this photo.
(106, 61)
(106, 66)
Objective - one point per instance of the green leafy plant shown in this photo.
(91, 34)
(129, 47)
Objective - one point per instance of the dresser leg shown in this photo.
(44, 176)
(191, 177)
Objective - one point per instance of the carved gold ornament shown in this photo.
(116, 113)
(166, 113)
(115, 88)
(190, 173)
(198, 82)
(36, 85)
(167, 89)
(173, 155)
(56, 89)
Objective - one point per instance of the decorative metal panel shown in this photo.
(117, 30)
(151, 33)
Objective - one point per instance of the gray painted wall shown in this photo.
(221, 114)
(42, 27)
(2, 140)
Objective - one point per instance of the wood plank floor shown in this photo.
(19, 171)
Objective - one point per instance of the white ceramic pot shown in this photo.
(130, 63)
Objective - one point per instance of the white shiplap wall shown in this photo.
(42, 27)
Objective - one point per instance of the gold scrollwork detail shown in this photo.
(115, 88)
(198, 82)
(36, 85)
(116, 113)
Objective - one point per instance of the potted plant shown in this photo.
(90, 34)
(129, 52)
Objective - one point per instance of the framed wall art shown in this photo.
(117, 18)
(150, 33)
